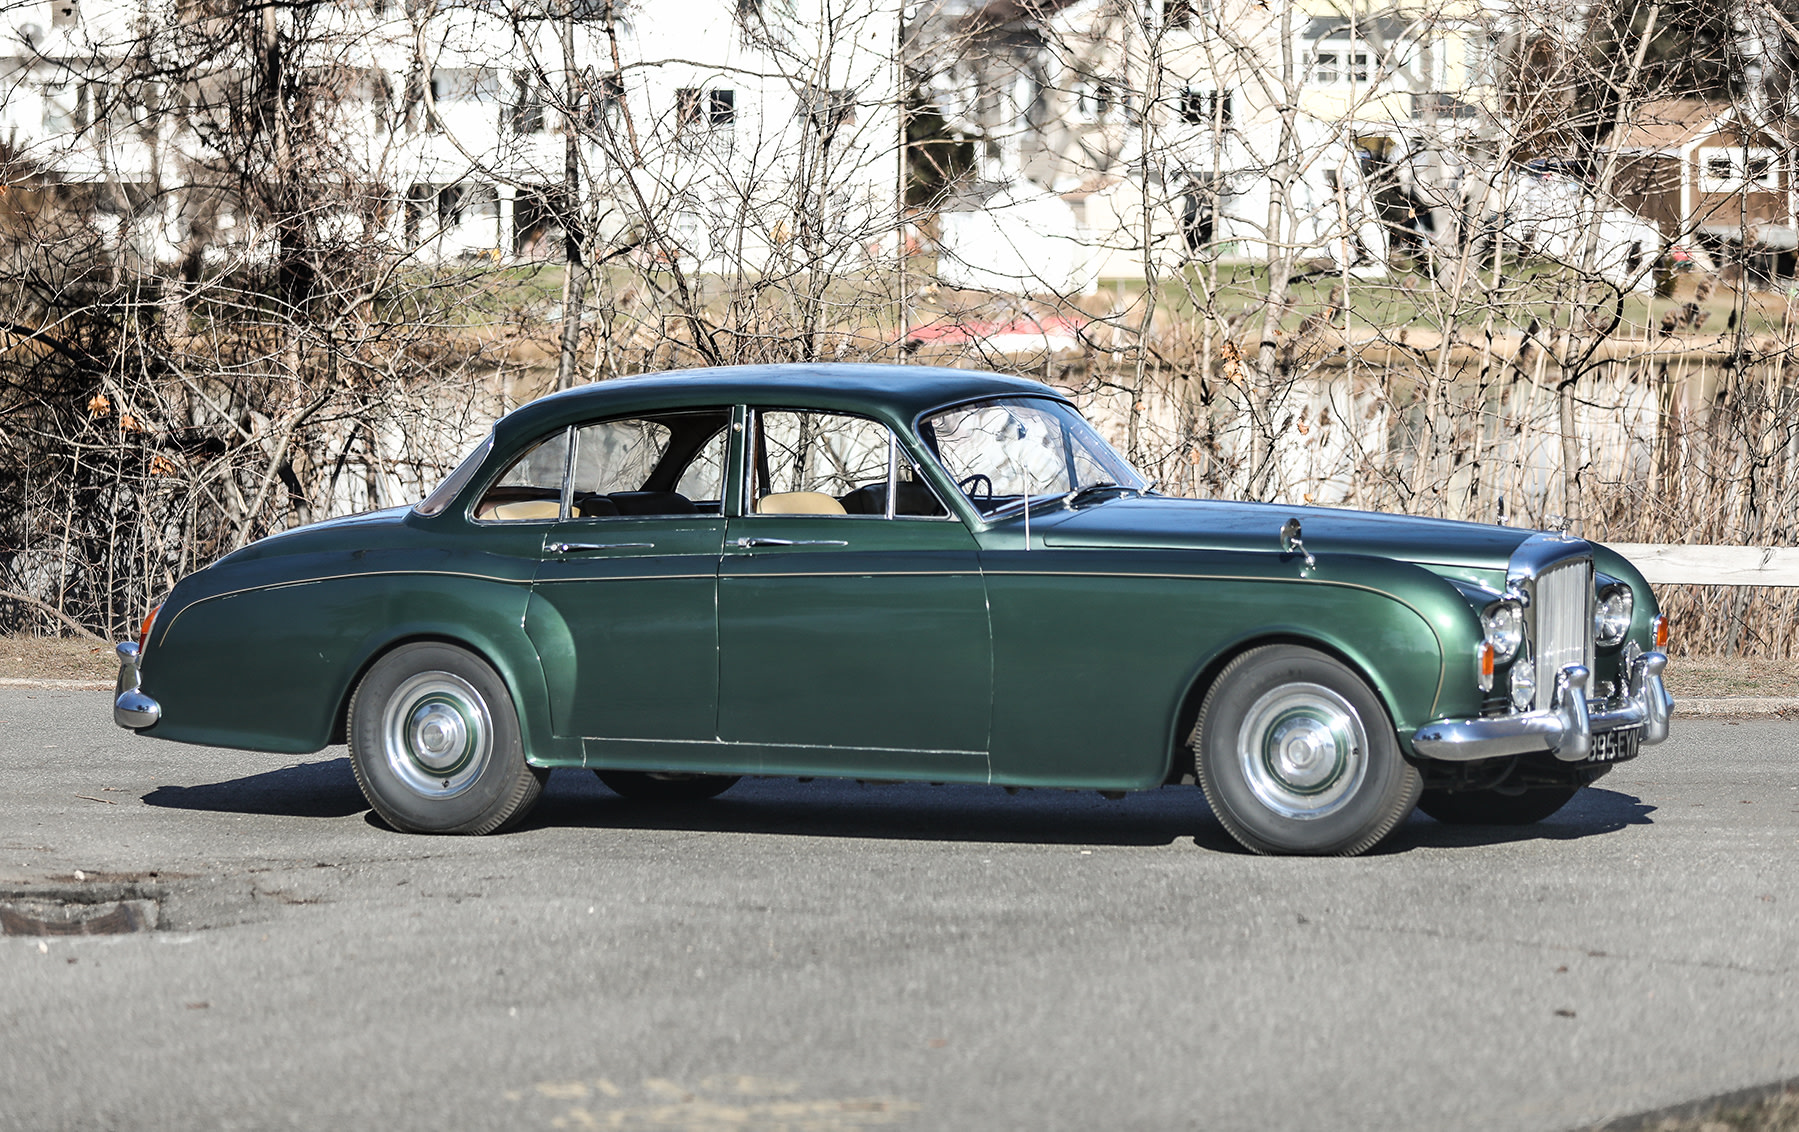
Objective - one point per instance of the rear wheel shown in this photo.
(1296, 754)
(435, 743)
(646, 786)
(1495, 807)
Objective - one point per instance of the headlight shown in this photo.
(1611, 617)
(1524, 685)
(1503, 623)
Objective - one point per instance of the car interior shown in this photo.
(805, 463)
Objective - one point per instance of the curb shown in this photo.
(1737, 706)
(58, 685)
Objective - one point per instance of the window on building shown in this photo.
(1206, 107)
(1341, 61)
(1739, 169)
(828, 110)
(1100, 101)
(527, 105)
(465, 84)
(721, 108)
(65, 14)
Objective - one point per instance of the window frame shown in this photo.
(752, 467)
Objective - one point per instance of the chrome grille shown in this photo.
(1563, 608)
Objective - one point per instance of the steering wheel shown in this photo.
(967, 485)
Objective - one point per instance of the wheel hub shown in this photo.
(437, 734)
(1303, 750)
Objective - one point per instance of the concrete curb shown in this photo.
(1738, 706)
(57, 685)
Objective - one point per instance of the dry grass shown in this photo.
(55, 658)
(1777, 1113)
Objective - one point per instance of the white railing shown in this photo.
(1713, 565)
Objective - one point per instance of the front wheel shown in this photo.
(1296, 755)
(435, 743)
(1494, 807)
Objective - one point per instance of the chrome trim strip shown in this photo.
(131, 709)
(1565, 730)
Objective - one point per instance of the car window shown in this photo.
(814, 463)
(453, 484)
(531, 489)
(998, 451)
(665, 464)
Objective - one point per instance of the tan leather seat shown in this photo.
(521, 509)
(799, 503)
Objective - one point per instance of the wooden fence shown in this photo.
(1664, 564)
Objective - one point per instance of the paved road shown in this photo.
(835, 956)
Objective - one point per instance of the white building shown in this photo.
(721, 132)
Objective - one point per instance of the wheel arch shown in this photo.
(1186, 716)
(523, 680)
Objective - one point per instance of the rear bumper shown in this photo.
(130, 707)
(1566, 728)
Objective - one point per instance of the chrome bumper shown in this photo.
(130, 707)
(1566, 728)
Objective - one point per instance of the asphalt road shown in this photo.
(834, 956)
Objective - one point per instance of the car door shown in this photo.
(623, 607)
(852, 619)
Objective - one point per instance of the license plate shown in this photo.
(1616, 746)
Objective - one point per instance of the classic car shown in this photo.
(903, 573)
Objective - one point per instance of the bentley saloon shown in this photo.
(903, 573)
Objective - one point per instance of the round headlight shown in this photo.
(1503, 623)
(1611, 617)
(1524, 685)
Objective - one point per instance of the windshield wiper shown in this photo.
(1074, 498)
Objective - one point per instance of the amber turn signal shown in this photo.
(1661, 632)
(143, 634)
(1483, 653)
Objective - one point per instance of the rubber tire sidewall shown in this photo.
(1388, 792)
(507, 787)
(1490, 807)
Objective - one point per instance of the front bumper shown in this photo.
(130, 707)
(1566, 728)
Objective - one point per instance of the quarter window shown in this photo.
(531, 489)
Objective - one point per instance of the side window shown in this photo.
(530, 490)
(703, 480)
(808, 463)
(670, 464)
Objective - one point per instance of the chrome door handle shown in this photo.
(566, 547)
(749, 543)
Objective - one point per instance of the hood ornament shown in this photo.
(1293, 542)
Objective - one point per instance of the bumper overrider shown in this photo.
(130, 707)
(1566, 728)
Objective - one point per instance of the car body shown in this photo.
(903, 573)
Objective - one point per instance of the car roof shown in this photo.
(898, 393)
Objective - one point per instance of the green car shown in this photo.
(903, 573)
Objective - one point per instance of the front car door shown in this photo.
(852, 617)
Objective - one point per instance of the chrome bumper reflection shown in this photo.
(130, 707)
(1566, 728)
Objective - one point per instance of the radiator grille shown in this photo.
(1564, 622)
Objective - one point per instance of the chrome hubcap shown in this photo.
(437, 734)
(1303, 751)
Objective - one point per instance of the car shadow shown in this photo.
(325, 789)
(575, 799)
(1592, 812)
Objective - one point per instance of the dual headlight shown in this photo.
(1611, 615)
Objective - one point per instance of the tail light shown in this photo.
(143, 634)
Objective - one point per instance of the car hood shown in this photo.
(1475, 550)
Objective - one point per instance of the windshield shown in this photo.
(455, 481)
(1000, 451)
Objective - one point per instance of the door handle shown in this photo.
(751, 543)
(567, 547)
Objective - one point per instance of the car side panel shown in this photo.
(268, 668)
(1095, 651)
